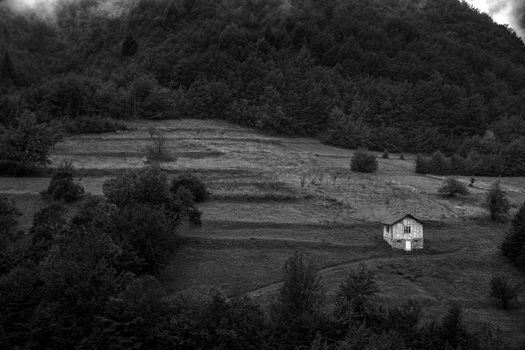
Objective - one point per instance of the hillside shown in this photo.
(260, 212)
(404, 75)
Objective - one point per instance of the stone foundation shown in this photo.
(400, 243)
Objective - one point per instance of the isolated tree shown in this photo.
(513, 245)
(157, 153)
(63, 185)
(363, 162)
(301, 291)
(496, 203)
(297, 312)
(129, 46)
(502, 289)
(453, 187)
(25, 146)
(355, 293)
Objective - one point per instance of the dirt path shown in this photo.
(339, 268)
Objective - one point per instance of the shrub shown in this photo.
(93, 125)
(148, 185)
(63, 186)
(385, 154)
(25, 146)
(363, 162)
(503, 290)
(452, 187)
(156, 153)
(497, 203)
(193, 184)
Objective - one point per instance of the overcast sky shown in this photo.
(511, 12)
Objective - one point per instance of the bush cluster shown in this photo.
(453, 187)
(363, 161)
(93, 125)
(193, 184)
(502, 160)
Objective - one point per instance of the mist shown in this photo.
(47, 9)
(510, 12)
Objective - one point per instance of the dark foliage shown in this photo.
(356, 74)
(483, 157)
(503, 290)
(363, 161)
(7, 70)
(193, 184)
(25, 146)
(129, 46)
(63, 185)
(513, 246)
(93, 125)
(453, 187)
(496, 203)
(157, 153)
(8, 220)
(296, 315)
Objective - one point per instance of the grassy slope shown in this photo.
(260, 213)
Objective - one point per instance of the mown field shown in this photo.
(273, 195)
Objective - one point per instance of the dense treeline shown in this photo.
(402, 75)
(91, 282)
(489, 155)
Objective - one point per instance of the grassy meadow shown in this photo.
(273, 195)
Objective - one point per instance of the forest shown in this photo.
(407, 76)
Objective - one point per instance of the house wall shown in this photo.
(396, 237)
(398, 230)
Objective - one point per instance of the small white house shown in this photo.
(403, 232)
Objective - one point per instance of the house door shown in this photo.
(408, 246)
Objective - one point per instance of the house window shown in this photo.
(387, 228)
(407, 229)
(398, 241)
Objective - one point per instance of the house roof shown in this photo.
(394, 219)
